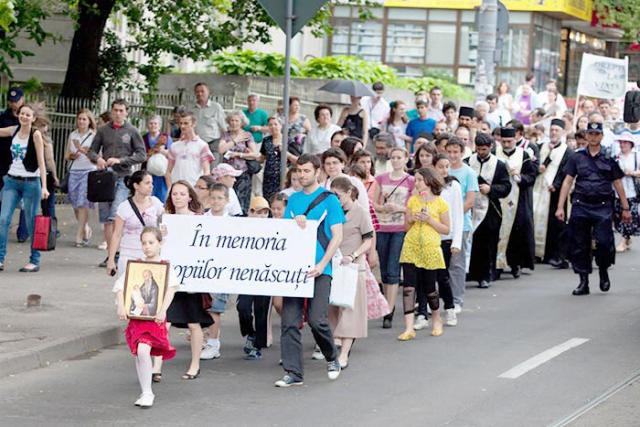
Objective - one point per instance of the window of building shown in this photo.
(468, 45)
(406, 14)
(441, 44)
(340, 40)
(415, 40)
(406, 43)
(443, 15)
(515, 49)
(546, 49)
(366, 40)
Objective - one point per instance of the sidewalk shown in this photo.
(619, 410)
(77, 314)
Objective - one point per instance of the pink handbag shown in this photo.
(377, 305)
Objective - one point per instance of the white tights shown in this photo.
(144, 367)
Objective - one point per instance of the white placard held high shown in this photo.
(603, 77)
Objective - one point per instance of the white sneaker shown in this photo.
(317, 354)
(210, 352)
(452, 319)
(145, 400)
(457, 308)
(421, 322)
(333, 370)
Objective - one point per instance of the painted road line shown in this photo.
(541, 358)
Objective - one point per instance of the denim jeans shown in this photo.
(21, 232)
(389, 246)
(14, 191)
(291, 338)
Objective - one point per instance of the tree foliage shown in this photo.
(157, 29)
(249, 63)
(252, 63)
(623, 13)
(21, 17)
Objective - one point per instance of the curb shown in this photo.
(59, 349)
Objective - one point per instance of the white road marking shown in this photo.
(541, 358)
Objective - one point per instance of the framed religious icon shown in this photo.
(145, 286)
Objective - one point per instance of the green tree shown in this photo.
(16, 17)
(251, 63)
(624, 13)
(192, 29)
(181, 29)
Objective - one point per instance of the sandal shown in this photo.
(407, 336)
(436, 331)
(156, 377)
(188, 376)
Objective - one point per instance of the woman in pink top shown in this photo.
(390, 201)
(365, 159)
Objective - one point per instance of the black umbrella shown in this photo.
(348, 87)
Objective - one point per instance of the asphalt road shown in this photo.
(471, 376)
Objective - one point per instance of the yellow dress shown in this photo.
(422, 242)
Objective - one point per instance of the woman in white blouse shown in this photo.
(79, 167)
(319, 137)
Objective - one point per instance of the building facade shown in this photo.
(432, 36)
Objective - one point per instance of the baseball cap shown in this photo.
(14, 94)
(594, 127)
(259, 203)
(223, 170)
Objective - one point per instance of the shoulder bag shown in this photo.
(64, 182)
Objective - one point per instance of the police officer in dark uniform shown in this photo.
(592, 209)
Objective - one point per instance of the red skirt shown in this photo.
(151, 333)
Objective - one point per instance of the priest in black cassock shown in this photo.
(549, 231)
(516, 246)
(494, 183)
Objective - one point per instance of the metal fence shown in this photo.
(62, 111)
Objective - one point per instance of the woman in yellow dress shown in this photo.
(427, 218)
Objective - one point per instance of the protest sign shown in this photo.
(602, 77)
(255, 256)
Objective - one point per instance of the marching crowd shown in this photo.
(425, 199)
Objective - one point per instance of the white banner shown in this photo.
(256, 256)
(603, 77)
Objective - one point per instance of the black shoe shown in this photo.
(103, 264)
(560, 264)
(496, 275)
(605, 284)
(34, 269)
(483, 284)
(386, 323)
(583, 286)
(515, 272)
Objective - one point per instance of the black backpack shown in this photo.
(632, 107)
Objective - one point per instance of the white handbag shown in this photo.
(157, 164)
(344, 283)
